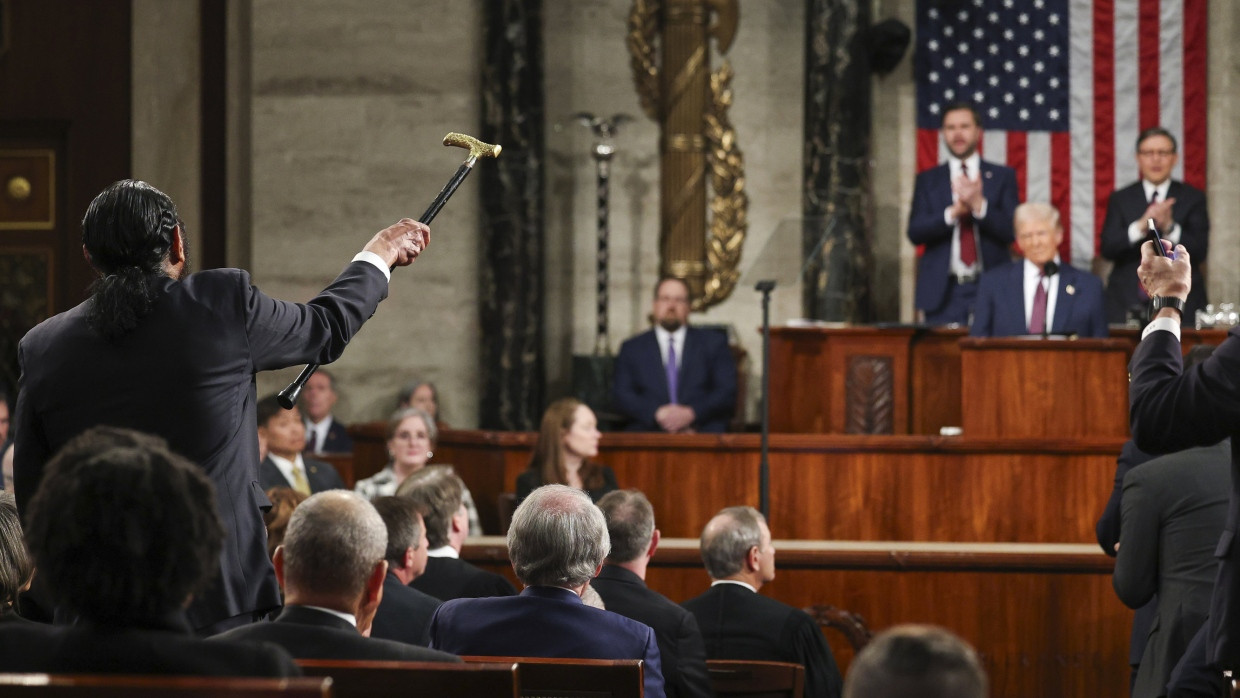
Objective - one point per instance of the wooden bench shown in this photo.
(126, 686)
(756, 679)
(574, 678)
(363, 679)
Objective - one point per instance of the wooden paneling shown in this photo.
(934, 394)
(1043, 618)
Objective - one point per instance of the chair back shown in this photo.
(362, 679)
(753, 679)
(574, 678)
(125, 686)
(852, 625)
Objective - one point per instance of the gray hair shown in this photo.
(333, 542)
(16, 567)
(727, 539)
(916, 660)
(557, 538)
(393, 424)
(630, 523)
(1036, 211)
(438, 493)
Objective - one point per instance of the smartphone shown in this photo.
(1156, 239)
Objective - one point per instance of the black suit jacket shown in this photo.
(308, 633)
(448, 578)
(321, 476)
(531, 480)
(675, 629)
(404, 614)
(1125, 207)
(1107, 532)
(187, 374)
(1171, 410)
(737, 623)
(164, 646)
(337, 439)
(706, 380)
(1173, 512)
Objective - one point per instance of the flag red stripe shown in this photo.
(1061, 188)
(1016, 159)
(1104, 110)
(1194, 137)
(1148, 49)
(927, 148)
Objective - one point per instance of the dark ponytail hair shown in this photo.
(128, 231)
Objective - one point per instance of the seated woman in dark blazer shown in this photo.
(567, 440)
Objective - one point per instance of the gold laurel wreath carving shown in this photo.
(729, 205)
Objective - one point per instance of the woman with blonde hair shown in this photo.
(567, 440)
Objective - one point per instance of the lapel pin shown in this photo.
(1070, 289)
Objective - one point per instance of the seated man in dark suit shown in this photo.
(405, 613)
(739, 623)
(439, 495)
(1038, 295)
(331, 568)
(285, 435)
(123, 533)
(1174, 510)
(621, 584)
(556, 542)
(324, 433)
(675, 378)
(916, 661)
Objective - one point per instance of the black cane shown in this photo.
(477, 149)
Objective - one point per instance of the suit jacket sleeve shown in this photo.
(1171, 410)
(652, 672)
(1108, 527)
(1114, 239)
(984, 308)
(691, 664)
(1136, 565)
(1194, 223)
(1000, 207)
(30, 448)
(926, 222)
(822, 676)
(719, 402)
(630, 399)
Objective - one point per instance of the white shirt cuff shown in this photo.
(948, 217)
(1174, 235)
(1136, 232)
(1162, 323)
(981, 212)
(371, 257)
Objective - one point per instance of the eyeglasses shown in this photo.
(1155, 153)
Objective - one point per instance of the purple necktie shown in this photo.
(1037, 321)
(671, 369)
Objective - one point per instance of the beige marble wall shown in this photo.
(1223, 170)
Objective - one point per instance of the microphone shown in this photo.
(1050, 268)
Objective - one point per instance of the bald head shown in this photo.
(728, 538)
(331, 545)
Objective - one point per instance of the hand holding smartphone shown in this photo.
(1156, 239)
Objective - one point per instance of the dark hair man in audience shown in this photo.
(556, 543)
(324, 433)
(438, 494)
(405, 613)
(621, 584)
(962, 216)
(1174, 509)
(916, 661)
(1172, 409)
(739, 623)
(1178, 209)
(675, 378)
(123, 533)
(1039, 295)
(285, 466)
(332, 569)
(172, 353)
(16, 569)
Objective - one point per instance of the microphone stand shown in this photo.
(764, 463)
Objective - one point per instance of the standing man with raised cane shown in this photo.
(160, 350)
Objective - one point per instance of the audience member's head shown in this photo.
(557, 538)
(1156, 154)
(407, 543)
(962, 128)
(122, 529)
(282, 430)
(283, 501)
(421, 394)
(673, 299)
(630, 524)
(438, 493)
(916, 661)
(1038, 231)
(411, 437)
(332, 555)
(568, 435)
(16, 568)
(736, 544)
(319, 395)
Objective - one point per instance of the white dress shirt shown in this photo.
(974, 163)
(1033, 275)
(1139, 230)
(678, 337)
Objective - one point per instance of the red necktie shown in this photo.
(1037, 320)
(968, 245)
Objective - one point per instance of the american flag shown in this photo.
(1064, 87)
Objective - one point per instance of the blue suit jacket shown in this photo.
(545, 622)
(1000, 307)
(932, 194)
(706, 381)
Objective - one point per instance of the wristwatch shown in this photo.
(1157, 303)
